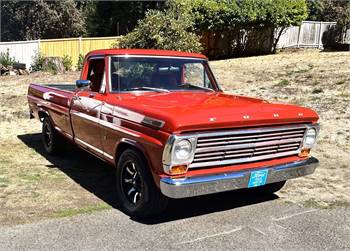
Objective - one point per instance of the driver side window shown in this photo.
(96, 74)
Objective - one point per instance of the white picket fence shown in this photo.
(308, 34)
(21, 51)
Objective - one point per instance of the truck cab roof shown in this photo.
(146, 52)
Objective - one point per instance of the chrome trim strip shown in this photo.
(116, 128)
(242, 160)
(249, 131)
(200, 185)
(85, 116)
(208, 141)
(248, 140)
(94, 148)
(103, 123)
(65, 133)
(249, 145)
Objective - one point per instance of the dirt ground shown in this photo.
(36, 186)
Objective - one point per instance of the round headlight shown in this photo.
(183, 149)
(310, 137)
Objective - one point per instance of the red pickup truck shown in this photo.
(160, 118)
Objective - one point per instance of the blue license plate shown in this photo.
(258, 178)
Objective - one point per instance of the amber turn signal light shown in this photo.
(304, 153)
(176, 170)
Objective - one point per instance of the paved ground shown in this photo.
(220, 222)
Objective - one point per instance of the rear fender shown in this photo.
(42, 113)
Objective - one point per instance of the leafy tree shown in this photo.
(167, 30)
(110, 18)
(239, 21)
(329, 11)
(27, 20)
(226, 28)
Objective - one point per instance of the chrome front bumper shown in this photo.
(200, 185)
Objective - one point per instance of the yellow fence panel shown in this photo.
(60, 48)
(73, 47)
(89, 44)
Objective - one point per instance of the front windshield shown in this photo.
(159, 74)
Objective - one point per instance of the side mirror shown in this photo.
(82, 84)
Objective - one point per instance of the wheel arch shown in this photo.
(124, 144)
(42, 114)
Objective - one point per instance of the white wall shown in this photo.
(22, 51)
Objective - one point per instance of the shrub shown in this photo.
(80, 63)
(5, 59)
(37, 62)
(51, 67)
(67, 62)
(165, 30)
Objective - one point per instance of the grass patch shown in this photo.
(29, 177)
(4, 182)
(301, 71)
(326, 205)
(283, 83)
(83, 210)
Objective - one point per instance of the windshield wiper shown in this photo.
(149, 89)
(195, 86)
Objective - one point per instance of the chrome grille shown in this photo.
(240, 146)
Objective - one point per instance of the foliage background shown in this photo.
(218, 28)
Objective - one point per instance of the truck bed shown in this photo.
(62, 86)
(52, 100)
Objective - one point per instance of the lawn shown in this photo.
(35, 186)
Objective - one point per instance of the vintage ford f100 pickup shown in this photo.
(161, 119)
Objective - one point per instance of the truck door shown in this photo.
(86, 107)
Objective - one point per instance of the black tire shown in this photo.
(270, 188)
(136, 191)
(52, 141)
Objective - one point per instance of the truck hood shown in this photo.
(194, 111)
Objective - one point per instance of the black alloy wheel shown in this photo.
(137, 194)
(131, 182)
(52, 141)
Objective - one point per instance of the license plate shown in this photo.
(258, 178)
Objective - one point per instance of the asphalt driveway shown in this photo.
(221, 222)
